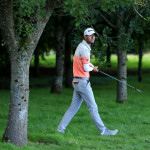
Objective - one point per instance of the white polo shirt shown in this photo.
(81, 61)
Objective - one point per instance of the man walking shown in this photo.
(82, 87)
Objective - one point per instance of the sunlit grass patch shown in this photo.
(49, 61)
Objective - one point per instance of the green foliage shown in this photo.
(78, 9)
(126, 42)
(24, 16)
(77, 36)
(142, 8)
(113, 5)
(87, 13)
(98, 50)
(138, 28)
(105, 41)
(83, 11)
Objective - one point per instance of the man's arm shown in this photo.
(90, 67)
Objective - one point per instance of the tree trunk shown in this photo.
(68, 64)
(59, 68)
(108, 56)
(122, 75)
(140, 40)
(122, 58)
(16, 130)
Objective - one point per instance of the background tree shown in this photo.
(142, 9)
(123, 15)
(68, 53)
(60, 31)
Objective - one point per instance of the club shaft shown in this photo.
(118, 80)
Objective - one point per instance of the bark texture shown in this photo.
(16, 130)
(20, 56)
(59, 68)
(122, 68)
(140, 41)
(108, 56)
(122, 75)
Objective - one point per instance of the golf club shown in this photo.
(118, 80)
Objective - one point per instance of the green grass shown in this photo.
(48, 61)
(46, 111)
(132, 62)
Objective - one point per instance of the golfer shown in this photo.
(82, 86)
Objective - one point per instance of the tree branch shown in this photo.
(40, 25)
(113, 26)
(7, 24)
(140, 14)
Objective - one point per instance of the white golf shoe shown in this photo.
(61, 131)
(107, 132)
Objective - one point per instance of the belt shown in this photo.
(81, 78)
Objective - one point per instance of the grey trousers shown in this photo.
(82, 91)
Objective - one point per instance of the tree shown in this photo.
(142, 9)
(140, 42)
(118, 16)
(22, 24)
(60, 48)
(91, 11)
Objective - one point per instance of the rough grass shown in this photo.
(46, 110)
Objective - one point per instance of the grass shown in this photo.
(46, 111)
(132, 62)
(48, 61)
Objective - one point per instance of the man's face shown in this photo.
(89, 39)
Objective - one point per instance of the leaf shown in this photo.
(77, 23)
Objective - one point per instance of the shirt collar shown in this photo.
(86, 44)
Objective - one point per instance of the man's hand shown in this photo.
(95, 69)
(91, 65)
